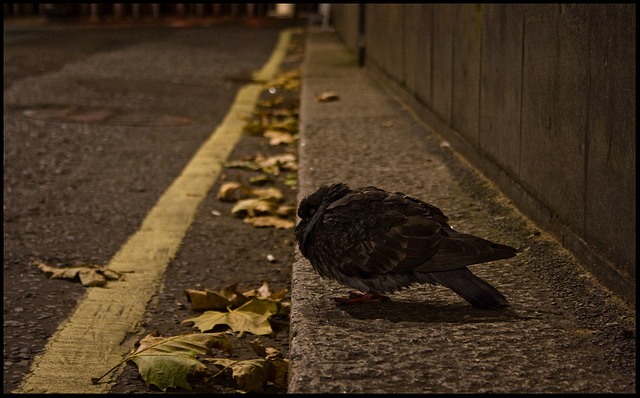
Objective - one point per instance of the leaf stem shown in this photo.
(95, 380)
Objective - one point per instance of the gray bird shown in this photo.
(380, 242)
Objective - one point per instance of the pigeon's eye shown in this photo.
(311, 211)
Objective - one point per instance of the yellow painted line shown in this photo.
(93, 339)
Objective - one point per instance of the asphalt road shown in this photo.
(97, 124)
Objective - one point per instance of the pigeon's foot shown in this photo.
(362, 298)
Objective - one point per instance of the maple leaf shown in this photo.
(270, 194)
(232, 191)
(252, 317)
(260, 179)
(246, 164)
(87, 274)
(254, 128)
(269, 221)
(230, 297)
(252, 375)
(216, 300)
(166, 361)
(271, 165)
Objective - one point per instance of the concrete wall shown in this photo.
(540, 98)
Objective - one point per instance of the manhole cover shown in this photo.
(114, 117)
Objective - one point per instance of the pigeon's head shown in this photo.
(310, 204)
(323, 196)
(311, 208)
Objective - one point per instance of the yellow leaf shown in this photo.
(286, 211)
(278, 137)
(269, 221)
(166, 361)
(270, 194)
(232, 191)
(252, 317)
(260, 179)
(274, 164)
(253, 207)
(327, 96)
(243, 164)
(253, 128)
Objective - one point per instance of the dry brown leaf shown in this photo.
(327, 96)
(87, 274)
(253, 207)
(263, 292)
(273, 164)
(232, 191)
(216, 300)
(243, 164)
(252, 374)
(286, 211)
(269, 221)
(253, 127)
(271, 194)
(206, 300)
(260, 179)
(278, 137)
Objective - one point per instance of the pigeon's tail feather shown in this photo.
(471, 288)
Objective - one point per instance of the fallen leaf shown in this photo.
(216, 300)
(252, 317)
(263, 292)
(206, 300)
(253, 207)
(327, 96)
(288, 124)
(270, 103)
(251, 375)
(232, 191)
(274, 164)
(270, 194)
(289, 80)
(253, 127)
(292, 179)
(260, 179)
(269, 221)
(286, 211)
(88, 274)
(278, 371)
(244, 164)
(269, 165)
(166, 361)
(278, 137)
(257, 347)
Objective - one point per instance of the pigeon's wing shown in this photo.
(372, 232)
(458, 250)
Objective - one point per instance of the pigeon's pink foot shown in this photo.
(362, 298)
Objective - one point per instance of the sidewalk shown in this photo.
(562, 333)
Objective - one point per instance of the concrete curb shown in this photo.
(427, 339)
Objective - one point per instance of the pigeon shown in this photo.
(380, 242)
